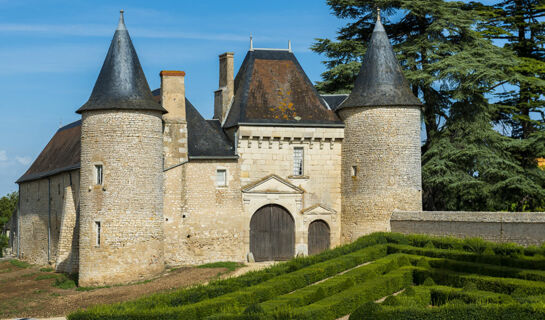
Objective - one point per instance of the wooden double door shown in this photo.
(318, 237)
(272, 234)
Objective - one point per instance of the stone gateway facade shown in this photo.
(143, 181)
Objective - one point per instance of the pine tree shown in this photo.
(519, 24)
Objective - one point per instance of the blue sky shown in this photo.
(51, 53)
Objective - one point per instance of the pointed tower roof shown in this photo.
(380, 81)
(121, 83)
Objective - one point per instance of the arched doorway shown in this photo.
(318, 237)
(272, 234)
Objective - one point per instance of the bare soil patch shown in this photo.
(21, 295)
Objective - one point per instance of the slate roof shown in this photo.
(380, 81)
(61, 154)
(121, 83)
(205, 138)
(334, 100)
(272, 88)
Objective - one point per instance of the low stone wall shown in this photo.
(525, 228)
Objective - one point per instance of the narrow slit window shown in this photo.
(221, 177)
(354, 171)
(298, 161)
(97, 231)
(99, 174)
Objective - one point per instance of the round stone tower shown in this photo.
(121, 206)
(381, 167)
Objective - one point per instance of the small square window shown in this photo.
(97, 233)
(221, 177)
(298, 161)
(99, 175)
(354, 171)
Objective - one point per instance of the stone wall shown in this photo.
(67, 256)
(209, 224)
(525, 228)
(269, 150)
(383, 145)
(41, 212)
(129, 203)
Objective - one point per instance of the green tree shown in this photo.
(8, 204)
(519, 25)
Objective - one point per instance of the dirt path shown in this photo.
(381, 300)
(22, 295)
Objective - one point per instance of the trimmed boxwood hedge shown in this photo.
(449, 312)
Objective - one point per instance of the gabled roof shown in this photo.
(61, 154)
(205, 138)
(121, 83)
(334, 100)
(272, 88)
(380, 81)
(318, 209)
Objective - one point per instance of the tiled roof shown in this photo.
(272, 88)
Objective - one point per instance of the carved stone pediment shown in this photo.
(318, 209)
(272, 184)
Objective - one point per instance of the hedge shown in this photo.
(441, 295)
(243, 297)
(536, 263)
(336, 284)
(449, 312)
(347, 301)
(485, 283)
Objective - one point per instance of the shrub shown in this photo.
(64, 282)
(428, 282)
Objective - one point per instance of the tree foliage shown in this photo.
(8, 204)
(447, 52)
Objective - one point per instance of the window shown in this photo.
(97, 231)
(298, 161)
(221, 177)
(354, 171)
(99, 174)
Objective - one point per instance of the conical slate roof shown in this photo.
(121, 83)
(380, 81)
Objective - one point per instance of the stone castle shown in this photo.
(143, 181)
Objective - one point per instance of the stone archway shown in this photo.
(272, 234)
(318, 237)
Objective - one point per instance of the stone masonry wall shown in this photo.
(210, 223)
(41, 217)
(383, 143)
(68, 248)
(269, 150)
(129, 204)
(524, 228)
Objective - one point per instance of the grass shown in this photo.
(229, 265)
(47, 276)
(20, 264)
(47, 269)
(64, 281)
(468, 278)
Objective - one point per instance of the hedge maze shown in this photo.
(380, 276)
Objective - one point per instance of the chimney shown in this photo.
(175, 125)
(224, 95)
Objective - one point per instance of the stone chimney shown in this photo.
(224, 95)
(175, 124)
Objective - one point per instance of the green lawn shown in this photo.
(434, 278)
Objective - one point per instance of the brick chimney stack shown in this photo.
(175, 129)
(224, 95)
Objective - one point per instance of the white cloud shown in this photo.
(3, 155)
(23, 160)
